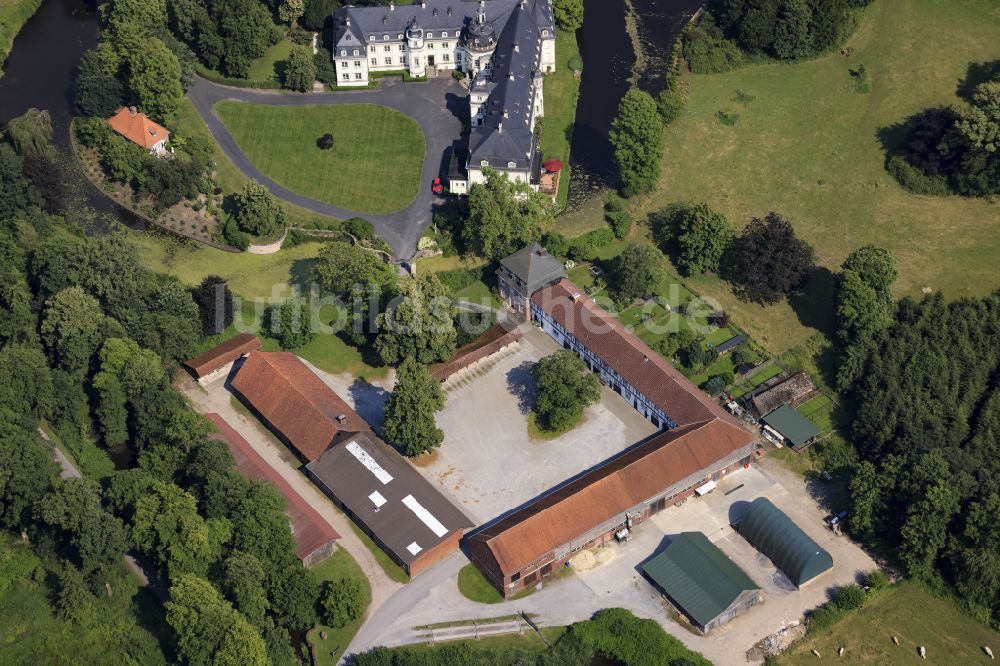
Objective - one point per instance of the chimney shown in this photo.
(132, 110)
(392, 5)
(347, 21)
(517, 47)
(500, 127)
(341, 418)
(423, 4)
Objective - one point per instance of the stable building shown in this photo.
(295, 404)
(786, 427)
(773, 533)
(525, 272)
(218, 361)
(536, 540)
(701, 582)
(386, 497)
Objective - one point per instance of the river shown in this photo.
(608, 58)
(40, 71)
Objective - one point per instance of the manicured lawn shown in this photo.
(337, 566)
(13, 14)
(229, 178)
(913, 615)
(561, 91)
(474, 586)
(806, 145)
(266, 67)
(756, 379)
(528, 645)
(373, 167)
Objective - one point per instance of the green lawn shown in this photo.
(13, 14)
(391, 569)
(474, 586)
(337, 566)
(527, 645)
(265, 68)
(913, 615)
(373, 167)
(561, 91)
(806, 144)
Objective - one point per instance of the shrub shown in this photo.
(575, 63)
(458, 75)
(914, 180)
(91, 132)
(714, 386)
(232, 235)
(325, 71)
(708, 53)
(460, 278)
(614, 203)
(325, 142)
(585, 247)
(823, 617)
(556, 243)
(300, 36)
(360, 228)
(877, 580)
(850, 597)
(620, 223)
(741, 356)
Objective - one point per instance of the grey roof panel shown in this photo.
(788, 547)
(534, 266)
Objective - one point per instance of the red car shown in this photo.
(437, 187)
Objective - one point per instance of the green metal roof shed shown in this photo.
(794, 427)
(701, 581)
(788, 547)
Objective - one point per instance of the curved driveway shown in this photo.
(437, 106)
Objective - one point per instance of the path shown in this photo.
(437, 106)
(215, 397)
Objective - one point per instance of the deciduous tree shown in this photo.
(409, 412)
(418, 323)
(565, 387)
(637, 137)
(640, 269)
(864, 292)
(568, 14)
(504, 215)
(31, 133)
(16, 192)
(767, 262)
(290, 323)
(154, 79)
(215, 304)
(256, 210)
(342, 601)
(300, 70)
(341, 266)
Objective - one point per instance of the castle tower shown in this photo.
(415, 58)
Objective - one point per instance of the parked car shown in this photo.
(836, 522)
(436, 186)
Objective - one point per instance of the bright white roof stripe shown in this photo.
(377, 499)
(424, 515)
(414, 548)
(365, 459)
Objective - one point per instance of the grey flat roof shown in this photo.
(407, 509)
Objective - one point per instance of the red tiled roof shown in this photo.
(311, 530)
(629, 356)
(295, 402)
(622, 483)
(138, 128)
(227, 352)
(490, 342)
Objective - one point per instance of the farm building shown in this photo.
(731, 344)
(219, 360)
(525, 272)
(787, 392)
(702, 582)
(789, 428)
(400, 510)
(534, 541)
(775, 535)
(294, 403)
(496, 338)
(314, 538)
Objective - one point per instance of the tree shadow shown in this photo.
(279, 70)
(813, 302)
(369, 401)
(977, 73)
(522, 385)
(302, 273)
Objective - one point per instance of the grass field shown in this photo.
(373, 167)
(561, 92)
(806, 144)
(337, 566)
(914, 616)
(265, 68)
(474, 586)
(13, 14)
(528, 645)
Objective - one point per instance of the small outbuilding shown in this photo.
(775, 535)
(789, 428)
(140, 129)
(702, 582)
(219, 360)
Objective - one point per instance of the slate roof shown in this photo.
(534, 266)
(295, 402)
(354, 478)
(621, 483)
(783, 393)
(794, 427)
(698, 577)
(628, 356)
(731, 343)
(216, 357)
(311, 531)
(435, 16)
(790, 549)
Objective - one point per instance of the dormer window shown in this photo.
(484, 163)
(343, 52)
(371, 38)
(430, 35)
(399, 36)
(511, 164)
(545, 33)
(355, 52)
(385, 38)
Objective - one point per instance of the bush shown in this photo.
(620, 223)
(670, 102)
(708, 53)
(850, 597)
(714, 386)
(614, 203)
(460, 278)
(556, 243)
(360, 228)
(741, 356)
(585, 247)
(92, 132)
(300, 36)
(325, 142)
(877, 580)
(232, 235)
(325, 71)
(575, 63)
(823, 617)
(914, 180)
(458, 75)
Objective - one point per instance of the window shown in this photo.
(371, 38)
(514, 577)
(357, 75)
(430, 35)
(357, 63)
(388, 60)
(346, 77)
(545, 33)
(343, 52)
(401, 47)
(387, 48)
(399, 36)
(374, 61)
(355, 52)
(510, 165)
(371, 49)
(385, 38)
(444, 45)
(402, 60)
(416, 62)
(446, 57)
(444, 33)
(483, 163)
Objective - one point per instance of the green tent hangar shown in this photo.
(774, 534)
(701, 581)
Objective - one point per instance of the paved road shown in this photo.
(437, 106)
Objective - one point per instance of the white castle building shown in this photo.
(504, 46)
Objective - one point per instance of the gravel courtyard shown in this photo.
(489, 463)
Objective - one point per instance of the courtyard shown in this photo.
(489, 463)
